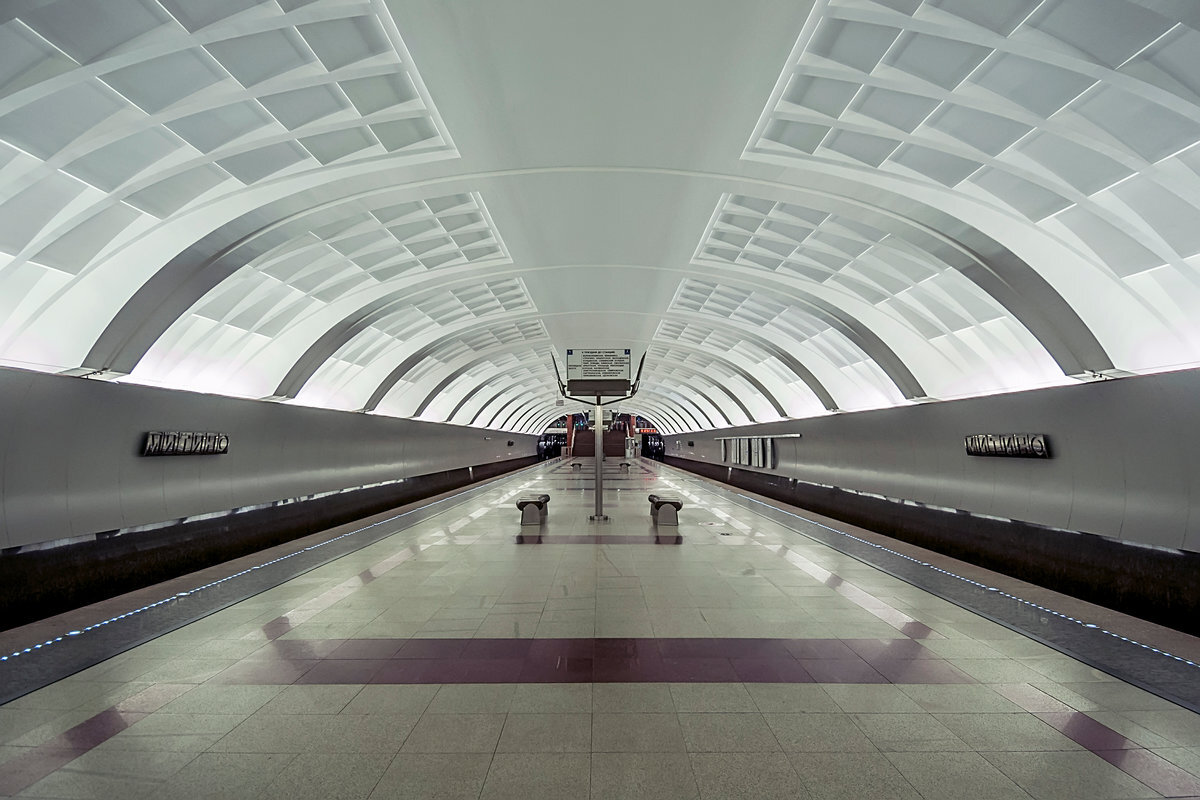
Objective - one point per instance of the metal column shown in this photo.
(599, 423)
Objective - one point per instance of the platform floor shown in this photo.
(466, 656)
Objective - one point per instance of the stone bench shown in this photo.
(665, 510)
(533, 508)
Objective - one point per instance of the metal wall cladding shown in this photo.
(70, 463)
(1126, 456)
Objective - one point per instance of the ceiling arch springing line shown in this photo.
(926, 280)
(1085, 130)
(938, 199)
(529, 364)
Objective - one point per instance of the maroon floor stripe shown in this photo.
(596, 538)
(1151, 769)
(594, 660)
(28, 768)
(1156, 772)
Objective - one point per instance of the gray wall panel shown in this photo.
(1126, 456)
(34, 480)
(1156, 473)
(70, 463)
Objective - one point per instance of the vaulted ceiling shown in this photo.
(413, 207)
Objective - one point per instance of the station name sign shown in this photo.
(1019, 445)
(185, 443)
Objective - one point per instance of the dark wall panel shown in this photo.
(1152, 583)
(1113, 517)
(1126, 459)
(69, 463)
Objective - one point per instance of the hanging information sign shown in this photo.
(598, 372)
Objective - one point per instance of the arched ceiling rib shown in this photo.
(455, 370)
(879, 256)
(531, 365)
(939, 198)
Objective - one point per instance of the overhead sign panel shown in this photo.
(604, 373)
(598, 365)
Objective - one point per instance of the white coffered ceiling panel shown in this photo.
(1077, 117)
(790, 208)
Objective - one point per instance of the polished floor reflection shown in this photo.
(735, 656)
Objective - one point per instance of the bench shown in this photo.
(533, 508)
(665, 510)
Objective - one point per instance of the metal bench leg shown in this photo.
(531, 515)
(668, 515)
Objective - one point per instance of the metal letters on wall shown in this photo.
(185, 443)
(1020, 445)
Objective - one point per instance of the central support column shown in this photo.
(599, 423)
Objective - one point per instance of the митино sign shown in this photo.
(1019, 445)
(185, 443)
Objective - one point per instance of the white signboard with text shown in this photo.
(598, 365)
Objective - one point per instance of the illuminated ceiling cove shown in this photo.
(413, 207)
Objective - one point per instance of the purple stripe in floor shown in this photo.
(595, 660)
(1156, 772)
(1151, 769)
(1084, 730)
(30, 767)
(23, 771)
(596, 538)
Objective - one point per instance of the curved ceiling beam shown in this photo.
(355, 323)
(415, 359)
(683, 403)
(745, 374)
(517, 400)
(542, 420)
(410, 362)
(336, 337)
(192, 273)
(518, 404)
(510, 382)
(466, 398)
(854, 330)
(685, 387)
(487, 403)
(344, 332)
(997, 271)
(474, 359)
(870, 343)
(525, 423)
(466, 363)
(521, 414)
(798, 369)
(670, 425)
(188, 276)
(537, 394)
(692, 374)
(660, 416)
(754, 335)
(684, 400)
(539, 423)
(674, 412)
